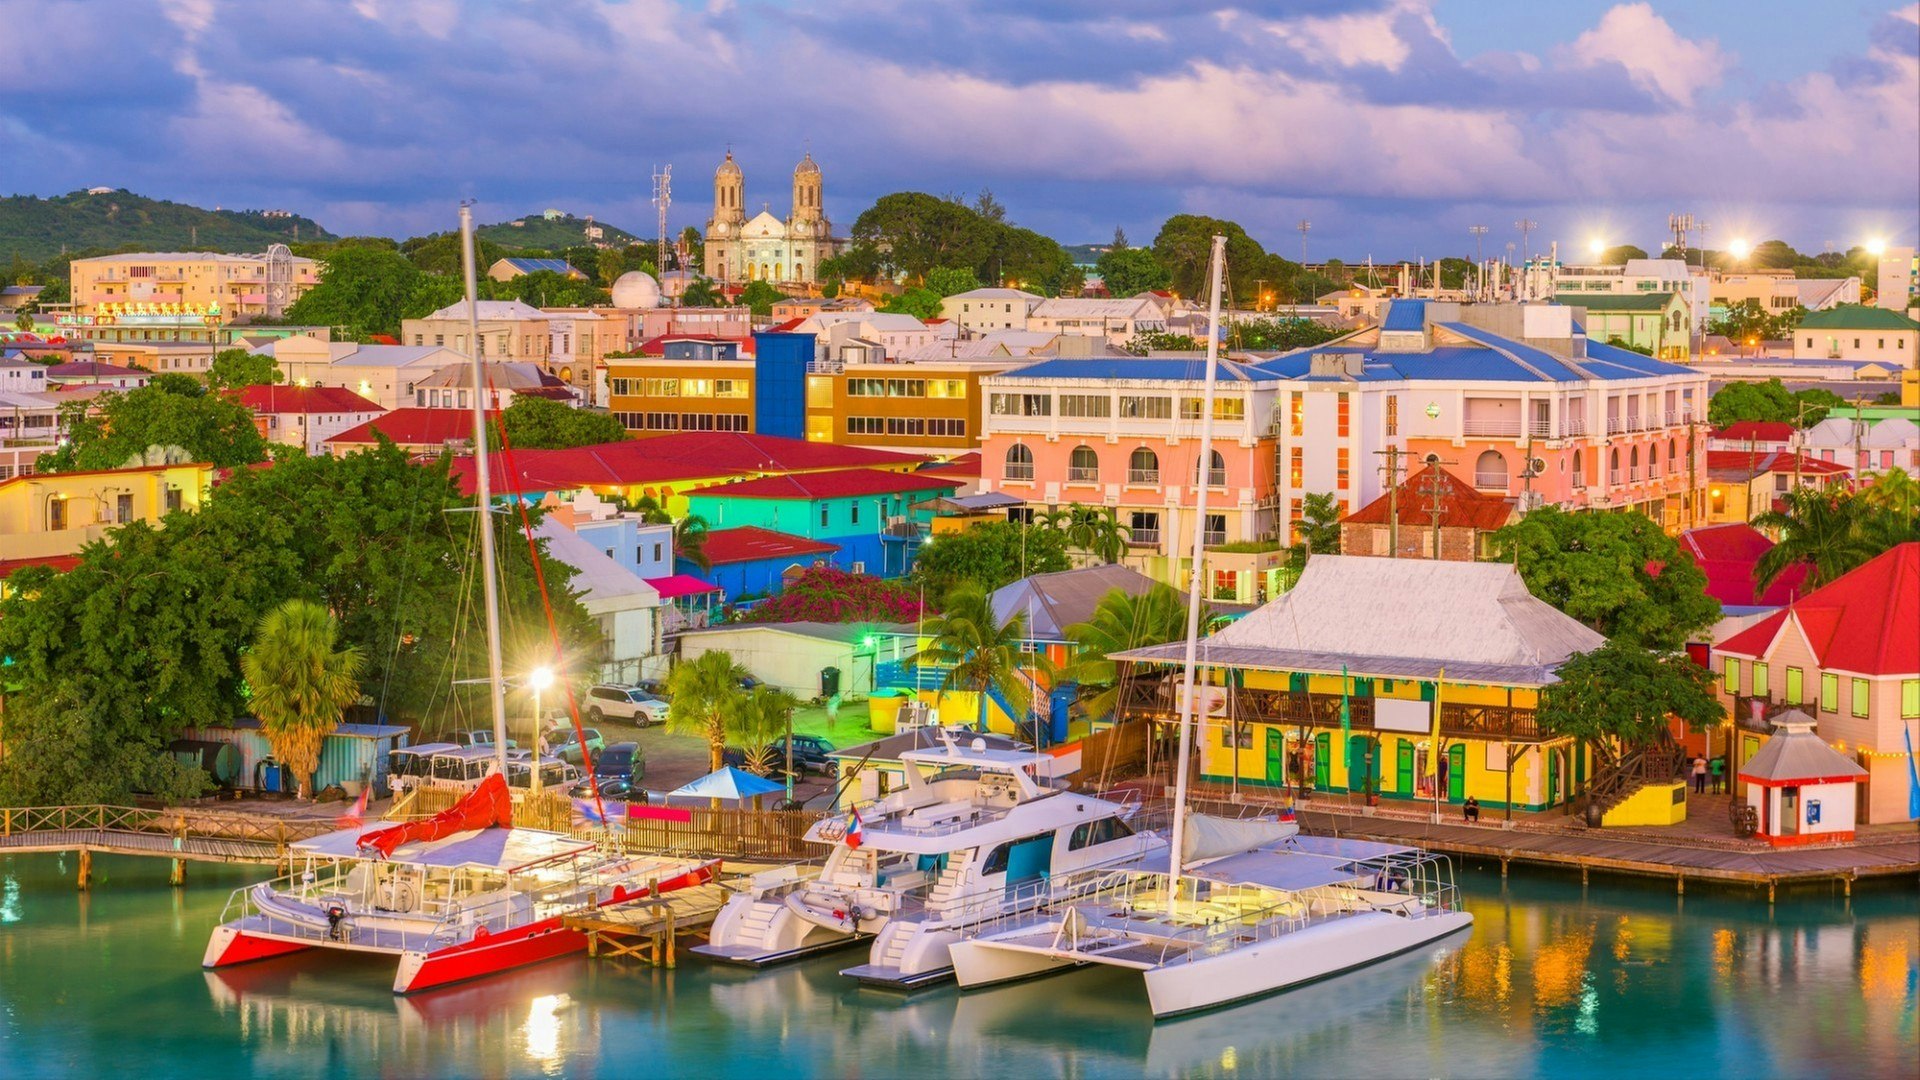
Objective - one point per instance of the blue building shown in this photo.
(780, 383)
(750, 561)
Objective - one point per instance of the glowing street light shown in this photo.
(540, 678)
(1597, 246)
(1739, 249)
(537, 680)
(1876, 247)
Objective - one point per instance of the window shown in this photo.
(1796, 686)
(1343, 411)
(823, 515)
(1296, 406)
(1100, 831)
(1085, 405)
(1143, 467)
(853, 512)
(1019, 463)
(996, 860)
(56, 514)
(1579, 474)
(172, 499)
(1730, 675)
(1083, 465)
(949, 429)
(1861, 697)
(1144, 527)
(1909, 698)
(1021, 404)
(1341, 475)
(1135, 407)
(1490, 471)
(1216, 473)
(1829, 692)
(1761, 686)
(1216, 531)
(123, 509)
(1653, 461)
(1393, 414)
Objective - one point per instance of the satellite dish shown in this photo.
(1536, 467)
(978, 743)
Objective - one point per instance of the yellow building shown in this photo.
(1398, 640)
(48, 514)
(656, 395)
(924, 407)
(181, 296)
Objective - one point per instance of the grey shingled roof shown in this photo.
(1796, 753)
(1053, 602)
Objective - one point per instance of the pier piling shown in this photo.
(86, 869)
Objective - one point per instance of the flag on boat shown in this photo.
(853, 829)
(1286, 813)
(587, 811)
(355, 816)
(1913, 779)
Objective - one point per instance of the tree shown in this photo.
(948, 280)
(1185, 245)
(832, 595)
(1832, 531)
(760, 297)
(363, 291)
(1320, 523)
(979, 653)
(1131, 271)
(1772, 402)
(547, 288)
(1619, 254)
(1625, 695)
(1279, 334)
(700, 293)
(690, 541)
(1617, 573)
(1097, 531)
(922, 304)
(759, 719)
(440, 253)
(534, 423)
(178, 413)
(989, 208)
(1144, 342)
(300, 683)
(1122, 621)
(233, 369)
(703, 696)
(1119, 239)
(990, 555)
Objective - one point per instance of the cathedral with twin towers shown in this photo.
(767, 248)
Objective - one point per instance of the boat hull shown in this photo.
(977, 965)
(1292, 960)
(232, 945)
(536, 942)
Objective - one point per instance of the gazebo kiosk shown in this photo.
(1802, 789)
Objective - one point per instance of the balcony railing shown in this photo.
(1143, 476)
(1079, 474)
(1143, 537)
(1613, 477)
(1616, 426)
(1633, 475)
(1540, 429)
(1490, 481)
(1020, 472)
(1573, 425)
(1216, 478)
(1634, 423)
(1147, 696)
(1213, 537)
(1496, 429)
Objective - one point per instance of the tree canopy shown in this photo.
(534, 423)
(1832, 530)
(1130, 271)
(759, 297)
(143, 638)
(1626, 693)
(990, 555)
(1770, 401)
(1185, 245)
(1617, 573)
(921, 303)
(910, 234)
(234, 369)
(1749, 323)
(210, 428)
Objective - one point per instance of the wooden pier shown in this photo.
(649, 930)
(182, 835)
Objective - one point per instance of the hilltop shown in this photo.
(552, 234)
(36, 229)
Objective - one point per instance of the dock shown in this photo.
(182, 835)
(649, 930)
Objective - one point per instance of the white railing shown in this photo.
(1143, 476)
(1080, 474)
(1490, 481)
(1019, 472)
(1498, 429)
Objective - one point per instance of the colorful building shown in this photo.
(750, 561)
(306, 416)
(930, 406)
(1433, 510)
(715, 389)
(1743, 485)
(867, 514)
(1848, 654)
(1660, 324)
(1858, 332)
(48, 514)
(1394, 642)
(181, 296)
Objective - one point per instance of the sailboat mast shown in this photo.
(1189, 694)
(483, 473)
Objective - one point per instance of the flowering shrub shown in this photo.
(832, 595)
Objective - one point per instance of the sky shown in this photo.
(1391, 125)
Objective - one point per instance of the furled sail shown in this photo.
(1209, 837)
(488, 806)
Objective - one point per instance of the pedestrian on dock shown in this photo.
(1470, 810)
(1699, 776)
(1717, 768)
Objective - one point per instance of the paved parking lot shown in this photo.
(673, 760)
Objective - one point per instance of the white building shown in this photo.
(1858, 333)
(383, 374)
(896, 335)
(982, 311)
(767, 248)
(1118, 320)
(1898, 270)
(449, 387)
(307, 416)
(625, 606)
(1550, 280)
(1893, 443)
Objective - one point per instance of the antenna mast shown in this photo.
(1526, 227)
(662, 198)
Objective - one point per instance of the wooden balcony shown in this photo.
(1150, 696)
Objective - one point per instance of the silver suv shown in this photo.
(609, 701)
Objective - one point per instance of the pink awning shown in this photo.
(675, 586)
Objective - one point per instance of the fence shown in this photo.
(734, 833)
(1119, 751)
(178, 821)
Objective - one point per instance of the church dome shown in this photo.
(806, 166)
(636, 289)
(727, 167)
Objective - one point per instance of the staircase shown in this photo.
(756, 924)
(893, 953)
(952, 884)
(1637, 768)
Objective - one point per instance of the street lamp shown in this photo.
(1739, 249)
(537, 680)
(1597, 246)
(1876, 247)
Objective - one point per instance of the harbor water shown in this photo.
(1556, 980)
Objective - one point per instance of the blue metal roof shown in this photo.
(1405, 315)
(1614, 362)
(528, 266)
(1105, 368)
(1551, 367)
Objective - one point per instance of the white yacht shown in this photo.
(974, 833)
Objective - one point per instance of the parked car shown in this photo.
(655, 687)
(566, 743)
(478, 737)
(611, 701)
(809, 754)
(621, 763)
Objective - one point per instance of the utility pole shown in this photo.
(1526, 227)
(1302, 229)
(1392, 467)
(1479, 262)
(662, 198)
(1434, 487)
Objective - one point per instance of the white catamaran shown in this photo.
(462, 894)
(976, 832)
(1247, 908)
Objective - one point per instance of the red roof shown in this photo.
(1461, 507)
(966, 465)
(1747, 464)
(751, 543)
(414, 427)
(666, 459)
(655, 346)
(675, 586)
(842, 484)
(1727, 554)
(90, 367)
(786, 327)
(1757, 431)
(1866, 622)
(305, 399)
(62, 563)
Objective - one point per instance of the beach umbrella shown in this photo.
(728, 783)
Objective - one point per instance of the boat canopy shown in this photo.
(1305, 862)
(493, 849)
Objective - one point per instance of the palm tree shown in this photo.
(1823, 528)
(1122, 621)
(1893, 490)
(1098, 530)
(703, 696)
(762, 718)
(1059, 517)
(980, 652)
(300, 682)
(690, 541)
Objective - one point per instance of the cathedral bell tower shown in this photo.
(729, 214)
(809, 218)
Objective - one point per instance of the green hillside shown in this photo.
(552, 234)
(38, 229)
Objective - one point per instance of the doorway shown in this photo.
(1360, 764)
(1276, 756)
(1456, 773)
(1403, 768)
(1323, 761)
(1789, 824)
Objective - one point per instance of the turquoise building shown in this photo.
(868, 514)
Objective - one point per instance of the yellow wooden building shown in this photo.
(1397, 640)
(52, 514)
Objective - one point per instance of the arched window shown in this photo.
(1613, 465)
(1653, 460)
(1083, 465)
(1019, 463)
(1143, 467)
(1633, 463)
(1490, 470)
(1216, 473)
(1579, 474)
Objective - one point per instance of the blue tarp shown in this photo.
(728, 783)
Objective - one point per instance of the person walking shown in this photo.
(1699, 776)
(1717, 768)
(1443, 768)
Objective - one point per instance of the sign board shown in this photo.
(1398, 714)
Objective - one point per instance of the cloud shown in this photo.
(1652, 54)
